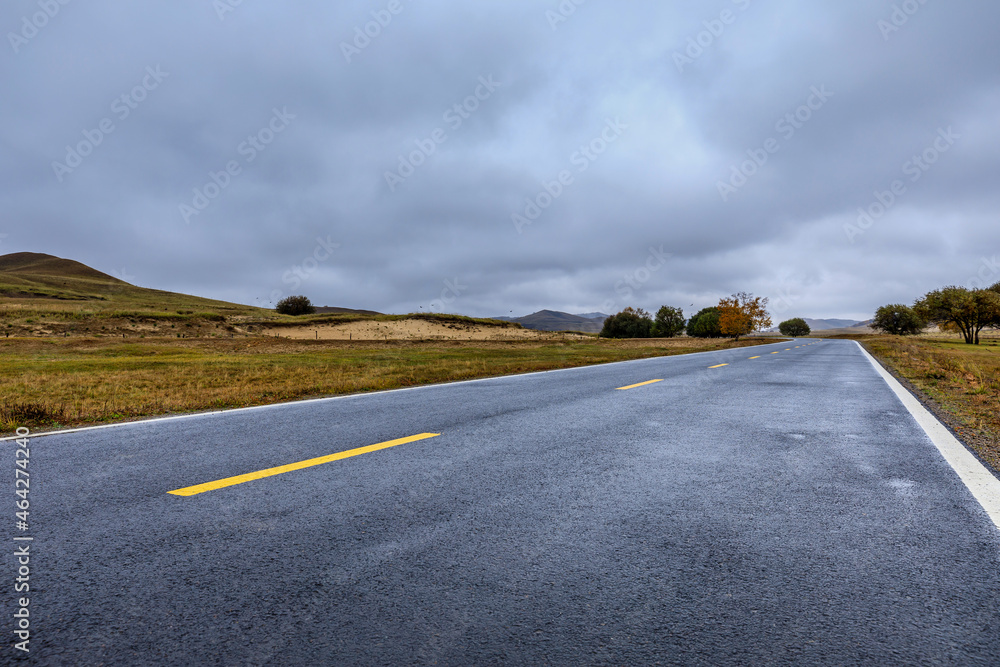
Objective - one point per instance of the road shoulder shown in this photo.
(981, 481)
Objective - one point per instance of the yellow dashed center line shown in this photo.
(755, 357)
(641, 384)
(719, 366)
(270, 472)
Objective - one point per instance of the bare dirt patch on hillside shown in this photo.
(411, 329)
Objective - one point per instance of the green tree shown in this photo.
(295, 305)
(898, 320)
(669, 322)
(629, 323)
(995, 324)
(794, 327)
(969, 310)
(705, 324)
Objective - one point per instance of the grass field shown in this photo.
(58, 382)
(963, 380)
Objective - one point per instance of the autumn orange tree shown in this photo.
(742, 314)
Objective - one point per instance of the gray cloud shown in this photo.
(323, 176)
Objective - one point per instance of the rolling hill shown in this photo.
(46, 283)
(35, 275)
(43, 295)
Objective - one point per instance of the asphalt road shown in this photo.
(779, 510)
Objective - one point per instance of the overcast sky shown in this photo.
(506, 156)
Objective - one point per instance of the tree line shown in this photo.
(735, 316)
(951, 308)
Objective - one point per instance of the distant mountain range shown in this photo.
(823, 325)
(554, 320)
(826, 325)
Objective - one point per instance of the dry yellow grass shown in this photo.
(52, 382)
(411, 328)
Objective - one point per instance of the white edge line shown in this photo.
(980, 481)
(341, 397)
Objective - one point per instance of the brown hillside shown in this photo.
(32, 283)
(39, 264)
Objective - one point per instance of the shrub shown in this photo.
(794, 327)
(898, 320)
(295, 305)
(630, 323)
(669, 322)
(705, 324)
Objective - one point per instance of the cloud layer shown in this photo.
(508, 156)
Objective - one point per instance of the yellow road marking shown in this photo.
(269, 472)
(641, 384)
(778, 352)
(719, 366)
(755, 357)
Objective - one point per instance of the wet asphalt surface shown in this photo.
(783, 510)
